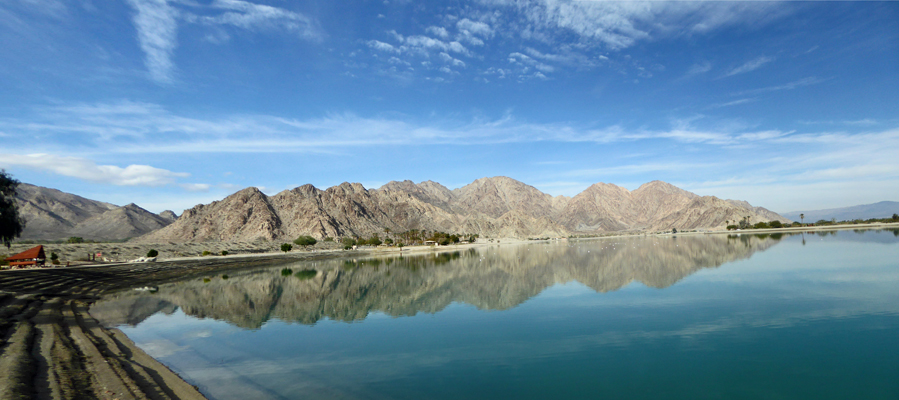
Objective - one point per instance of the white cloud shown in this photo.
(132, 175)
(251, 16)
(749, 66)
(157, 34)
(787, 86)
(732, 103)
(196, 187)
(474, 28)
(702, 68)
(156, 22)
(146, 128)
(381, 46)
(438, 31)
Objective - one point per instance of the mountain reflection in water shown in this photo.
(489, 278)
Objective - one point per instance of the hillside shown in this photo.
(51, 214)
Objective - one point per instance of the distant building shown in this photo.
(32, 257)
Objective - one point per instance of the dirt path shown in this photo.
(51, 347)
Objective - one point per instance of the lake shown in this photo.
(804, 316)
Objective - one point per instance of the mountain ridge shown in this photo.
(51, 214)
(493, 206)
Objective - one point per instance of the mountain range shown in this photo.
(51, 215)
(883, 209)
(494, 207)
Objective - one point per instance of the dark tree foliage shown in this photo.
(286, 247)
(11, 223)
(305, 241)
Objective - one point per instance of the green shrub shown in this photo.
(305, 241)
(732, 227)
(152, 253)
(347, 246)
(206, 253)
(286, 272)
(75, 239)
(286, 247)
(224, 252)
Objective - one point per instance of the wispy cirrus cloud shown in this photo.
(133, 127)
(749, 66)
(157, 29)
(156, 22)
(787, 86)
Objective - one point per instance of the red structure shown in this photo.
(34, 256)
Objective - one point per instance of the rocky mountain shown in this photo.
(51, 215)
(119, 223)
(487, 278)
(168, 215)
(883, 209)
(495, 207)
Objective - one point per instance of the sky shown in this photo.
(172, 103)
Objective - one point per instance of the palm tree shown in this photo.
(801, 218)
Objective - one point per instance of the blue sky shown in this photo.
(168, 104)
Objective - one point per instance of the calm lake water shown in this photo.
(812, 316)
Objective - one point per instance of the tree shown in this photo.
(152, 253)
(305, 241)
(801, 218)
(895, 217)
(775, 224)
(286, 247)
(75, 239)
(11, 223)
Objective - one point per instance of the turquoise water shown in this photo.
(812, 316)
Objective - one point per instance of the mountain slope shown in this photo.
(51, 214)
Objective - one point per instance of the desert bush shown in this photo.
(224, 252)
(206, 253)
(286, 247)
(152, 253)
(305, 241)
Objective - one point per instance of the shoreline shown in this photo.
(249, 251)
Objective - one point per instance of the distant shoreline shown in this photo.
(175, 252)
